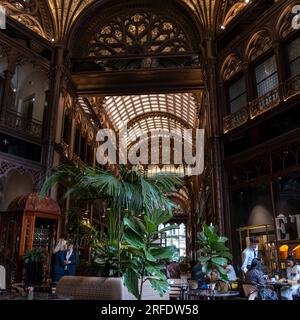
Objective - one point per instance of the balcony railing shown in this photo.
(292, 87)
(255, 108)
(236, 119)
(265, 102)
(18, 122)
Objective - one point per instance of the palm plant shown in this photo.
(130, 189)
(128, 249)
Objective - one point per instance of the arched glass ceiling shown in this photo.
(154, 123)
(122, 109)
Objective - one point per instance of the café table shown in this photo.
(212, 294)
(278, 285)
(182, 286)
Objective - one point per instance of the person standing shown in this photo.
(71, 261)
(59, 258)
(250, 253)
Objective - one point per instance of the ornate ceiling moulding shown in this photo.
(65, 13)
(31, 13)
(215, 15)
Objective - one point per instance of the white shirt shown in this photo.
(248, 255)
(2, 278)
(231, 273)
(68, 255)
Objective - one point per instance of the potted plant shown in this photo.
(129, 251)
(33, 261)
(215, 254)
(142, 259)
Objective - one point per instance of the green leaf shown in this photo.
(149, 256)
(150, 226)
(130, 223)
(220, 261)
(155, 272)
(131, 281)
(160, 286)
(134, 239)
(204, 259)
(222, 239)
(163, 252)
(210, 233)
(171, 227)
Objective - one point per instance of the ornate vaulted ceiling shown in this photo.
(53, 19)
(143, 113)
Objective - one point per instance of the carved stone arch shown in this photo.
(231, 66)
(284, 22)
(258, 44)
(112, 14)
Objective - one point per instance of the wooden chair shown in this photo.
(250, 291)
(175, 292)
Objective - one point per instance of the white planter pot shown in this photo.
(98, 288)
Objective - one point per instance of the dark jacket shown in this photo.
(58, 266)
(71, 267)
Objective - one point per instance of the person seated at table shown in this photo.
(255, 276)
(199, 275)
(293, 277)
(230, 272)
(174, 270)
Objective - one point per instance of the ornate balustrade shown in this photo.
(235, 119)
(292, 87)
(255, 108)
(18, 122)
(265, 102)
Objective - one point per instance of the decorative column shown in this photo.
(214, 136)
(51, 116)
(8, 74)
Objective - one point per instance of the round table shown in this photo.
(212, 294)
(183, 288)
(278, 285)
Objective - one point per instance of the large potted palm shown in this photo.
(138, 204)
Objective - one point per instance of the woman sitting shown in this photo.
(255, 276)
(293, 277)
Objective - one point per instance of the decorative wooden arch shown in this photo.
(231, 66)
(284, 22)
(258, 44)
